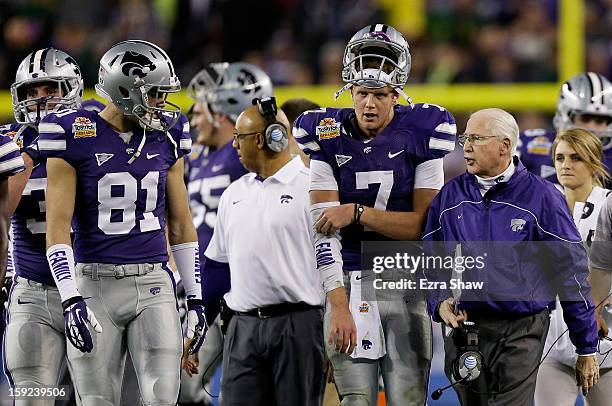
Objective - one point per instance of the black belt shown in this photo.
(278, 310)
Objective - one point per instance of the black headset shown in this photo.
(275, 133)
(462, 373)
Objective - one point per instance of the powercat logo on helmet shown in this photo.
(378, 35)
(246, 79)
(134, 63)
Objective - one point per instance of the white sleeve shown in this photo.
(430, 174)
(322, 176)
(217, 247)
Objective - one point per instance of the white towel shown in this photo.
(370, 336)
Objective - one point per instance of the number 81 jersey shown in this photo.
(119, 214)
(378, 172)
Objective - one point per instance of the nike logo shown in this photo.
(22, 302)
(394, 155)
(459, 216)
(236, 201)
(358, 278)
(151, 156)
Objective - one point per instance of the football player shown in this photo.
(375, 169)
(221, 92)
(47, 80)
(120, 174)
(585, 101)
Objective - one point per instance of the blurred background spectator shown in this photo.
(302, 41)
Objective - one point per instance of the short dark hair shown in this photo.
(296, 106)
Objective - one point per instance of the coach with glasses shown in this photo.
(273, 351)
(536, 255)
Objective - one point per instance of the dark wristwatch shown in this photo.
(358, 212)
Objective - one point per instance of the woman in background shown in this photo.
(577, 155)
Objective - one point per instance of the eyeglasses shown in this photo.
(238, 136)
(472, 138)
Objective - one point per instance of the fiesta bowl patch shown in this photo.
(83, 128)
(539, 146)
(328, 128)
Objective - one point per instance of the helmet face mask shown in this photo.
(229, 88)
(376, 56)
(131, 73)
(588, 94)
(46, 67)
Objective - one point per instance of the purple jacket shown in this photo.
(534, 251)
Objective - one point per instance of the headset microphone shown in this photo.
(435, 395)
(466, 367)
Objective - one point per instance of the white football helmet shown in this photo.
(587, 93)
(383, 44)
(48, 65)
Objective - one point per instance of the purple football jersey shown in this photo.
(119, 215)
(11, 162)
(28, 222)
(377, 172)
(535, 148)
(210, 172)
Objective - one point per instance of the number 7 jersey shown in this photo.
(378, 172)
(119, 214)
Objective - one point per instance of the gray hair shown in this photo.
(501, 124)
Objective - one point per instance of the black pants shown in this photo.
(511, 349)
(274, 361)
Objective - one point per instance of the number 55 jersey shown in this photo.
(119, 214)
(380, 172)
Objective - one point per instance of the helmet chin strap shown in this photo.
(140, 147)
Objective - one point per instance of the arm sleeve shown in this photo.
(564, 249)
(601, 249)
(322, 176)
(215, 283)
(443, 132)
(433, 245)
(52, 138)
(11, 161)
(430, 174)
(304, 134)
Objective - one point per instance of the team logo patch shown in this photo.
(154, 291)
(328, 128)
(539, 146)
(342, 159)
(364, 307)
(285, 199)
(103, 157)
(83, 128)
(366, 344)
(517, 225)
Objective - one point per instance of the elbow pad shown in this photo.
(327, 251)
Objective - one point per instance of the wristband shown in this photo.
(359, 208)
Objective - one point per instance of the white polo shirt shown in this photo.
(265, 233)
